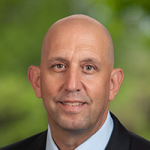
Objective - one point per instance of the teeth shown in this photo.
(72, 104)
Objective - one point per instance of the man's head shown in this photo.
(76, 79)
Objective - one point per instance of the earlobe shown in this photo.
(34, 78)
(115, 82)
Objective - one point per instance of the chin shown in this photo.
(74, 125)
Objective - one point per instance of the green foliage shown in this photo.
(23, 25)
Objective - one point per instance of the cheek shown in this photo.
(97, 87)
(50, 87)
(51, 84)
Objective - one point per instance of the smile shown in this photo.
(72, 103)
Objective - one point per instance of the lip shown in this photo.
(71, 106)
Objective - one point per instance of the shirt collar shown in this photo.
(98, 141)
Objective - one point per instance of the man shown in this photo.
(76, 81)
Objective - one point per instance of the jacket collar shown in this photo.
(120, 138)
(39, 143)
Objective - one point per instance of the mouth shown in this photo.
(73, 104)
(72, 107)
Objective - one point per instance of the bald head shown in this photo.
(80, 26)
(76, 79)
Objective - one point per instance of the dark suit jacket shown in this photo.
(121, 139)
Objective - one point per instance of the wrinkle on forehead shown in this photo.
(75, 25)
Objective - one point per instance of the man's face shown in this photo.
(75, 79)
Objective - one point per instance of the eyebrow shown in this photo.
(92, 60)
(53, 59)
(85, 60)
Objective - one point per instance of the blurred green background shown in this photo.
(23, 25)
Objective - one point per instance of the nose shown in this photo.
(73, 83)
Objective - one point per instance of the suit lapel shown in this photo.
(120, 138)
(40, 142)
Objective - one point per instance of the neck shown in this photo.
(69, 140)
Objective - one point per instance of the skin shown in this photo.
(76, 68)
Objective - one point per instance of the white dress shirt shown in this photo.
(97, 141)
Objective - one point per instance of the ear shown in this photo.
(115, 82)
(34, 78)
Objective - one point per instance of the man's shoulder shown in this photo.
(138, 142)
(27, 143)
(122, 139)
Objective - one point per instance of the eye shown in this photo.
(59, 66)
(88, 68)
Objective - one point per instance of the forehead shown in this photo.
(73, 51)
(77, 42)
